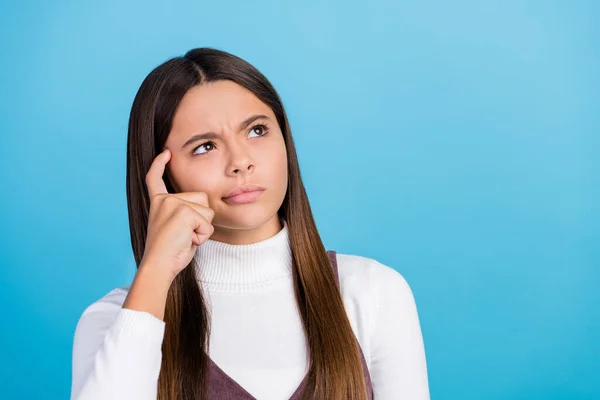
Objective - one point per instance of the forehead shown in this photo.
(215, 106)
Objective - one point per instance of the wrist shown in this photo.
(156, 272)
(149, 290)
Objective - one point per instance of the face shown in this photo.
(242, 144)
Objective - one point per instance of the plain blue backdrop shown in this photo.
(455, 141)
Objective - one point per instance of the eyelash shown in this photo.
(265, 127)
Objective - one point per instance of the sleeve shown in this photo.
(398, 364)
(116, 357)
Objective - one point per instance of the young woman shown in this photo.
(235, 296)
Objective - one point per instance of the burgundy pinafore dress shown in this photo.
(222, 387)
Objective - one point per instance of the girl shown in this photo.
(235, 296)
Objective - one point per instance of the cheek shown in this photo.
(195, 179)
(280, 166)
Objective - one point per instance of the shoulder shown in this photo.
(113, 299)
(106, 325)
(374, 284)
(371, 290)
(368, 274)
(103, 311)
(385, 319)
(379, 303)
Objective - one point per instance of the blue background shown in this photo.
(457, 142)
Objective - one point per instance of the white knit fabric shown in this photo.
(256, 332)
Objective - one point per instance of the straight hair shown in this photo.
(335, 368)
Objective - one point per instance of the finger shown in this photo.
(201, 227)
(194, 197)
(200, 235)
(154, 177)
(206, 212)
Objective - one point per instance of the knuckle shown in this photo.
(181, 208)
(171, 201)
(156, 200)
(203, 197)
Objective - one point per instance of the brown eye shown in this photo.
(260, 130)
(207, 146)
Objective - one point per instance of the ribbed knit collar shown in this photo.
(239, 268)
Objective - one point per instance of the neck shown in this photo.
(250, 267)
(236, 235)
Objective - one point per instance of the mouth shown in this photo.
(244, 194)
(243, 198)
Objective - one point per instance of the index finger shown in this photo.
(154, 177)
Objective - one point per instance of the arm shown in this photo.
(398, 364)
(117, 350)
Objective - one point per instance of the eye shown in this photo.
(262, 129)
(207, 146)
(259, 130)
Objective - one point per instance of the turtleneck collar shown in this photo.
(237, 268)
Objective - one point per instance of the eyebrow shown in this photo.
(212, 135)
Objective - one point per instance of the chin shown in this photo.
(246, 216)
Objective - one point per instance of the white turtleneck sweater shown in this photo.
(256, 336)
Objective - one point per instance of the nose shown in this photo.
(241, 163)
(242, 170)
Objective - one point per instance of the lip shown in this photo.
(244, 194)
(243, 198)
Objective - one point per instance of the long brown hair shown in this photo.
(335, 370)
